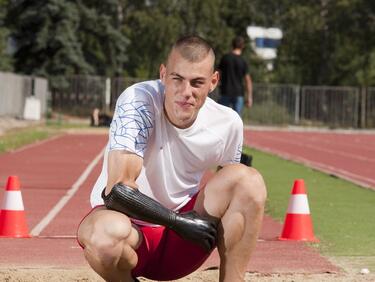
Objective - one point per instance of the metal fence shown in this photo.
(368, 106)
(85, 93)
(273, 104)
(81, 96)
(332, 106)
(14, 89)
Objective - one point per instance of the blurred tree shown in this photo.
(353, 57)
(57, 38)
(46, 38)
(327, 42)
(5, 59)
(299, 55)
(100, 33)
(151, 27)
(206, 19)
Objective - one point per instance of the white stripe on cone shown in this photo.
(298, 204)
(13, 201)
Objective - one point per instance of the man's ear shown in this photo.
(214, 80)
(162, 73)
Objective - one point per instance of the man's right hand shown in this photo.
(200, 230)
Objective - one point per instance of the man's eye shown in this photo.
(197, 83)
(177, 78)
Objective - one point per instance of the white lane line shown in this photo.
(69, 194)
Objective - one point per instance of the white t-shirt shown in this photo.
(174, 159)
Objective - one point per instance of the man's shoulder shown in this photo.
(227, 57)
(148, 86)
(222, 114)
(150, 89)
(231, 57)
(221, 122)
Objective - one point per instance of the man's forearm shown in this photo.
(137, 205)
(249, 90)
(189, 225)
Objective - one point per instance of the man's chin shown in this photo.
(185, 121)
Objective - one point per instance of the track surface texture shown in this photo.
(346, 154)
(56, 179)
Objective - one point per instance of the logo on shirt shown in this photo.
(132, 126)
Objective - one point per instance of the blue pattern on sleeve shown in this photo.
(132, 126)
(237, 157)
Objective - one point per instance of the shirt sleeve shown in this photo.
(133, 121)
(233, 146)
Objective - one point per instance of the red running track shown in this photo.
(349, 155)
(49, 173)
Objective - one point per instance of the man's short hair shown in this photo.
(238, 42)
(193, 48)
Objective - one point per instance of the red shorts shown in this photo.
(163, 255)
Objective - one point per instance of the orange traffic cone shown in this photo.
(12, 216)
(298, 224)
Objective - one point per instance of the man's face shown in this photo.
(187, 85)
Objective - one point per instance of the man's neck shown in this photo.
(237, 51)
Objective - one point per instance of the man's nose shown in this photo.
(186, 89)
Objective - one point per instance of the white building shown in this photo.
(264, 42)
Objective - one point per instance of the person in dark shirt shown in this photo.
(233, 71)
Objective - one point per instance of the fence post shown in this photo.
(107, 95)
(297, 90)
(363, 106)
(356, 109)
(302, 103)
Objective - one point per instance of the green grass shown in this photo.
(19, 137)
(343, 214)
(60, 125)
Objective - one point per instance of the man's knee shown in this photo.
(104, 239)
(251, 187)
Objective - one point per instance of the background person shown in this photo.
(97, 118)
(152, 220)
(233, 72)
